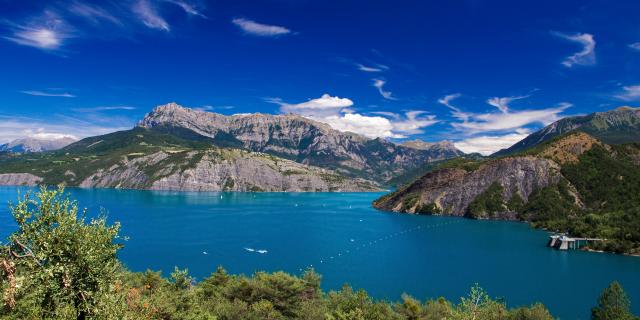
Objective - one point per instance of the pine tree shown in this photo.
(613, 304)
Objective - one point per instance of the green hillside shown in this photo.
(86, 156)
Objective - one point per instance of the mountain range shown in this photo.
(30, 144)
(617, 126)
(179, 148)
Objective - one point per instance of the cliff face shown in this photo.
(301, 140)
(451, 190)
(19, 179)
(221, 170)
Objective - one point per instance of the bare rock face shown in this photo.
(222, 170)
(452, 190)
(300, 139)
(19, 179)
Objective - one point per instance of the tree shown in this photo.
(613, 304)
(63, 264)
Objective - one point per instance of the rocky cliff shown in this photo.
(148, 159)
(221, 170)
(19, 179)
(301, 140)
(452, 188)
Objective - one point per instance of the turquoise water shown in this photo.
(386, 254)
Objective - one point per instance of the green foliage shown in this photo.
(515, 204)
(429, 208)
(613, 304)
(605, 182)
(410, 201)
(551, 207)
(63, 265)
(466, 163)
(488, 203)
(608, 183)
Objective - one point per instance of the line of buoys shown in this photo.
(370, 243)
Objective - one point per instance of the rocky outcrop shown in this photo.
(222, 170)
(451, 190)
(19, 179)
(300, 139)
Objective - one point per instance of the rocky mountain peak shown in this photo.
(300, 139)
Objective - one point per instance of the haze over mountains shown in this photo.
(31, 144)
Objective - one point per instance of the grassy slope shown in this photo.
(88, 155)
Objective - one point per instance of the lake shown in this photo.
(348, 241)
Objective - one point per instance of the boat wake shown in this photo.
(260, 251)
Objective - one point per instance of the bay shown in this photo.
(347, 241)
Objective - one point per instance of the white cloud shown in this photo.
(15, 127)
(337, 112)
(584, 57)
(320, 107)
(42, 38)
(211, 108)
(48, 94)
(489, 132)
(499, 121)
(629, 93)
(104, 108)
(504, 120)
(502, 103)
(457, 113)
(413, 123)
(487, 145)
(149, 15)
(47, 32)
(376, 68)
(187, 7)
(259, 29)
(379, 84)
(93, 13)
(371, 127)
(635, 46)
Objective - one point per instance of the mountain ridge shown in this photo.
(146, 159)
(620, 125)
(300, 139)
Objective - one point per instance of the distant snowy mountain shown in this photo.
(25, 145)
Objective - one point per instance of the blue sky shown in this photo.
(480, 73)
